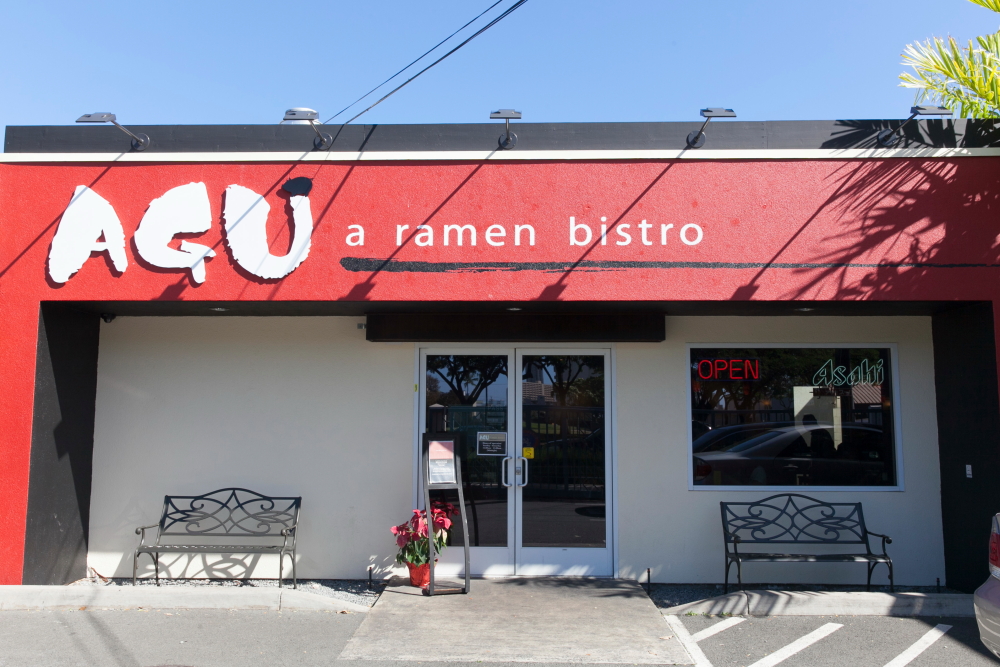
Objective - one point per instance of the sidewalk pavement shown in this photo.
(541, 620)
(752, 603)
(828, 603)
(55, 598)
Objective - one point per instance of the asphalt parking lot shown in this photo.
(219, 638)
(860, 641)
(196, 638)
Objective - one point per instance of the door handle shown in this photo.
(503, 471)
(524, 477)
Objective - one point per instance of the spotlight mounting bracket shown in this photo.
(510, 140)
(140, 142)
(696, 139)
(323, 141)
(889, 138)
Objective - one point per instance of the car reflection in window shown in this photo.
(799, 455)
(727, 437)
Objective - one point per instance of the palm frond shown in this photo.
(988, 4)
(963, 79)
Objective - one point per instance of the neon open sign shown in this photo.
(729, 369)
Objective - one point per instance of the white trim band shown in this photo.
(515, 155)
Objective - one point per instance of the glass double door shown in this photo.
(533, 429)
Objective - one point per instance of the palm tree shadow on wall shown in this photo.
(934, 133)
(931, 217)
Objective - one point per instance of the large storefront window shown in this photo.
(792, 417)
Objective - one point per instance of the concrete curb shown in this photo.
(789, 603)
(52, 598)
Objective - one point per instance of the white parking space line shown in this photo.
(717, 628)
(783, 654)
(921, 645)
(684, 637)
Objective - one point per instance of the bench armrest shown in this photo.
(734, 538)
(885, 540)
(141, 532)
(288, 532)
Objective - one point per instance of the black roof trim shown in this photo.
(726, 135)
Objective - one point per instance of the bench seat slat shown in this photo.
(813, 558)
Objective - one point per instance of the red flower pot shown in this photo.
(420, 575)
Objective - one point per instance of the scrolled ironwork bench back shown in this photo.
(231, 520)
(792, 518)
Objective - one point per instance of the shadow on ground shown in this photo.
(672, 595)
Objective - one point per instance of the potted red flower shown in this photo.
(411, 538)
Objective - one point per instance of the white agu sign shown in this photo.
(184, 209)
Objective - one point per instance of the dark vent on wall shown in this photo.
(595, 327)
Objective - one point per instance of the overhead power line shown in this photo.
(422, 56)
(486, 27)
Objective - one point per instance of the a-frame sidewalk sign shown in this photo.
(442, 471)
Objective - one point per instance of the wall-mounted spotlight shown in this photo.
(510, 140)
(697, 138)
(303, 116)
(140, 142)
(889, 138)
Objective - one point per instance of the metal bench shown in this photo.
(791, 518)
(227, 521)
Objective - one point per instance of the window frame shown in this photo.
(896, 420)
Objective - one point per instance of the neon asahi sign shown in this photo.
(863, 373)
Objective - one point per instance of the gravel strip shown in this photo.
(349, 590)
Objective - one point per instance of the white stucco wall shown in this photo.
(306, 406)
(285, 406)
(677, 532)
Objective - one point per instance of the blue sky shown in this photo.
(222, 61)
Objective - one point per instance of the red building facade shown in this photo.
(585, 224)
